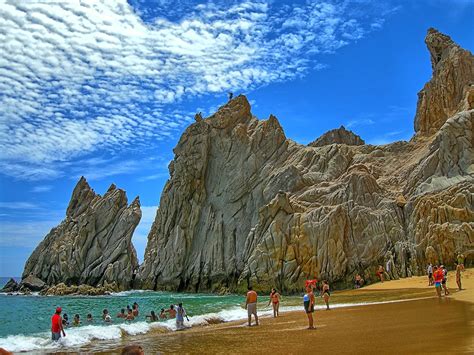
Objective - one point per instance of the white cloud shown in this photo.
(42, 188)
(18, 205)
(77, 77)
(359, 122)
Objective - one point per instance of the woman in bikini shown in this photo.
(275, 301)
(308, 302)
(326, 294)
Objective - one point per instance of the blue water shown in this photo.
(27, 319)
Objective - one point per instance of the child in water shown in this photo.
(89, 318)
(152, 316)
(76, 321)
(162, 314)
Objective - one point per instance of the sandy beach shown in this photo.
(421, 323)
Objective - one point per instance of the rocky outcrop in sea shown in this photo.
(92, 245)
(245, 205)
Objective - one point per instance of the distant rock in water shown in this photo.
(10, 286)
(92, 245)
(32, 283)
(339, 136)
(84, 290)
(450, 90)
(245, 205)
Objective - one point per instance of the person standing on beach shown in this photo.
(430, 274)
(445, 279)
(251, 305)
(57, 325)
(460, 259)
(308, 303)
(438, 278)
(458, 276)
(326, 294)
(379, 273)
(275, 301)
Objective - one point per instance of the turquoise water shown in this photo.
(25, 321)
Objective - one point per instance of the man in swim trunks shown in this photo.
(57, 325)
(438, 278)
(275, 301)
(251, 305)
(458, 276)
(308, 303)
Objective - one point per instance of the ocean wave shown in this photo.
(129, 292)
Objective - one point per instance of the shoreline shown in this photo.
(410, 325)
(390, 296)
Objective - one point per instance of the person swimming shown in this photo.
(106, 316)
(76, 321)
(152, 316)
(135, 309)
(171, 311)
(162, 314)
(89, 318)
(130, 315)
(65, 320)
(122, 314)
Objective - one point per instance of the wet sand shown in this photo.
(428, 325)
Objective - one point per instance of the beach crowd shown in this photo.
(437, 277)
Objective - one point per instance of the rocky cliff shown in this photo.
(450, 90)
(244, 204)
(92, 245)
(339, 136)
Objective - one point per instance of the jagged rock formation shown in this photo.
(450, 90)
(340, 136)
(10, 286)
(244, 204)
(92, 245)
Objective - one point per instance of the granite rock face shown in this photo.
(10, 286)
(450, 90)
(92, 245)
(245, 205)
(339, 136)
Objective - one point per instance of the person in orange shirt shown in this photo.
(438, 279)
(251, 305)
(275, 301)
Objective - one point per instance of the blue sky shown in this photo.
(104, 90)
